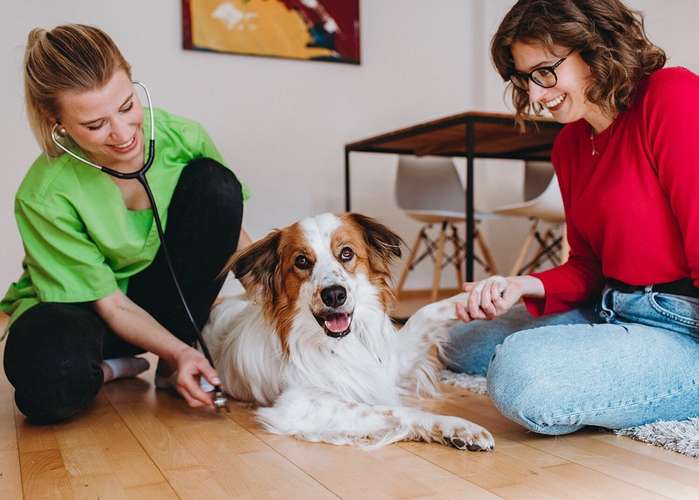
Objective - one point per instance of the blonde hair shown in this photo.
(71, 57)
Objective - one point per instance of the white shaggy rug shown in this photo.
(472, 383)
(680, 436)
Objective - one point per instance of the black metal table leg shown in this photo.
(470, 227)
(347, 181)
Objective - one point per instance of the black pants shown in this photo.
(54, 350)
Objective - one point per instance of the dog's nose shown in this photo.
(333, 296)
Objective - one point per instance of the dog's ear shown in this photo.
(255, 266)
(381, 241)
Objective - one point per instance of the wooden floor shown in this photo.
(136, 443)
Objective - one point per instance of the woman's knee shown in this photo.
(211, 193)
(214, 181)
(523, 388)
(52, 358)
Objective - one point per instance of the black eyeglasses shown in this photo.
(544, 76)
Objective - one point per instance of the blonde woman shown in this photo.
(96, 289)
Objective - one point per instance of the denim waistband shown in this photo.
(678, 313)
(684, 287)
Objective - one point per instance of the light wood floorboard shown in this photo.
(136, 442)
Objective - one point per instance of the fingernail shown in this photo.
(216, 380)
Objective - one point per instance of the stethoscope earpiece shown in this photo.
(58, 130)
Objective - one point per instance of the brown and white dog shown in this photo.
(313, 343)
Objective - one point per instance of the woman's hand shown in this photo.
(489, 298)
(190, 366)
(494, 296)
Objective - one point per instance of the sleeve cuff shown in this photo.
(85, 296)
(536, 307)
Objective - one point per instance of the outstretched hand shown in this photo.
(488, 298)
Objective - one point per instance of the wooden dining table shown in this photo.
(471, 135)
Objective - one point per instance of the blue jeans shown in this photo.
(630, 360)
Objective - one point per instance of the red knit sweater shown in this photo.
(632, 210)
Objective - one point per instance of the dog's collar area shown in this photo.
(335, 324)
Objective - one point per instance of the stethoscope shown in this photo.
(220, 398)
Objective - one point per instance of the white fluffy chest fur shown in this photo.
(365, 366)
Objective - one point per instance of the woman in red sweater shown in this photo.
(611, 337)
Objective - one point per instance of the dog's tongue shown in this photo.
(337, 323)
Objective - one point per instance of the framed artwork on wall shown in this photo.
(318, 30)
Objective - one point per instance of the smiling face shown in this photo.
(566, 100)
(106, 122)
(314, 274)
(327, 264)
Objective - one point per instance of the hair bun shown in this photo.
(35, 36)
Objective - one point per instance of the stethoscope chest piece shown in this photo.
(221, 402)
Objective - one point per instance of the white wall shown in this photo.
(282, 124)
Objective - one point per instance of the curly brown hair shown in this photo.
(609, 37)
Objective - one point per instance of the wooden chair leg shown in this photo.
(457, 257)
(536, 261)
(485, 252)
(525, 248)
(548, 238)
(437, 277)
(565, 247)
(409, 262)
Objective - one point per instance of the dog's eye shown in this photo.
(346, 254)
(302, 262)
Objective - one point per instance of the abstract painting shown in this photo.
(319, 30)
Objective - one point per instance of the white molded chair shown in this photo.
(543, 204)
(429, 190)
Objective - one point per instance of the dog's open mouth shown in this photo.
(336, 325)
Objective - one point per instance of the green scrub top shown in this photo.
(81, 243)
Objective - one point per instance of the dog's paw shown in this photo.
(468, 436)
